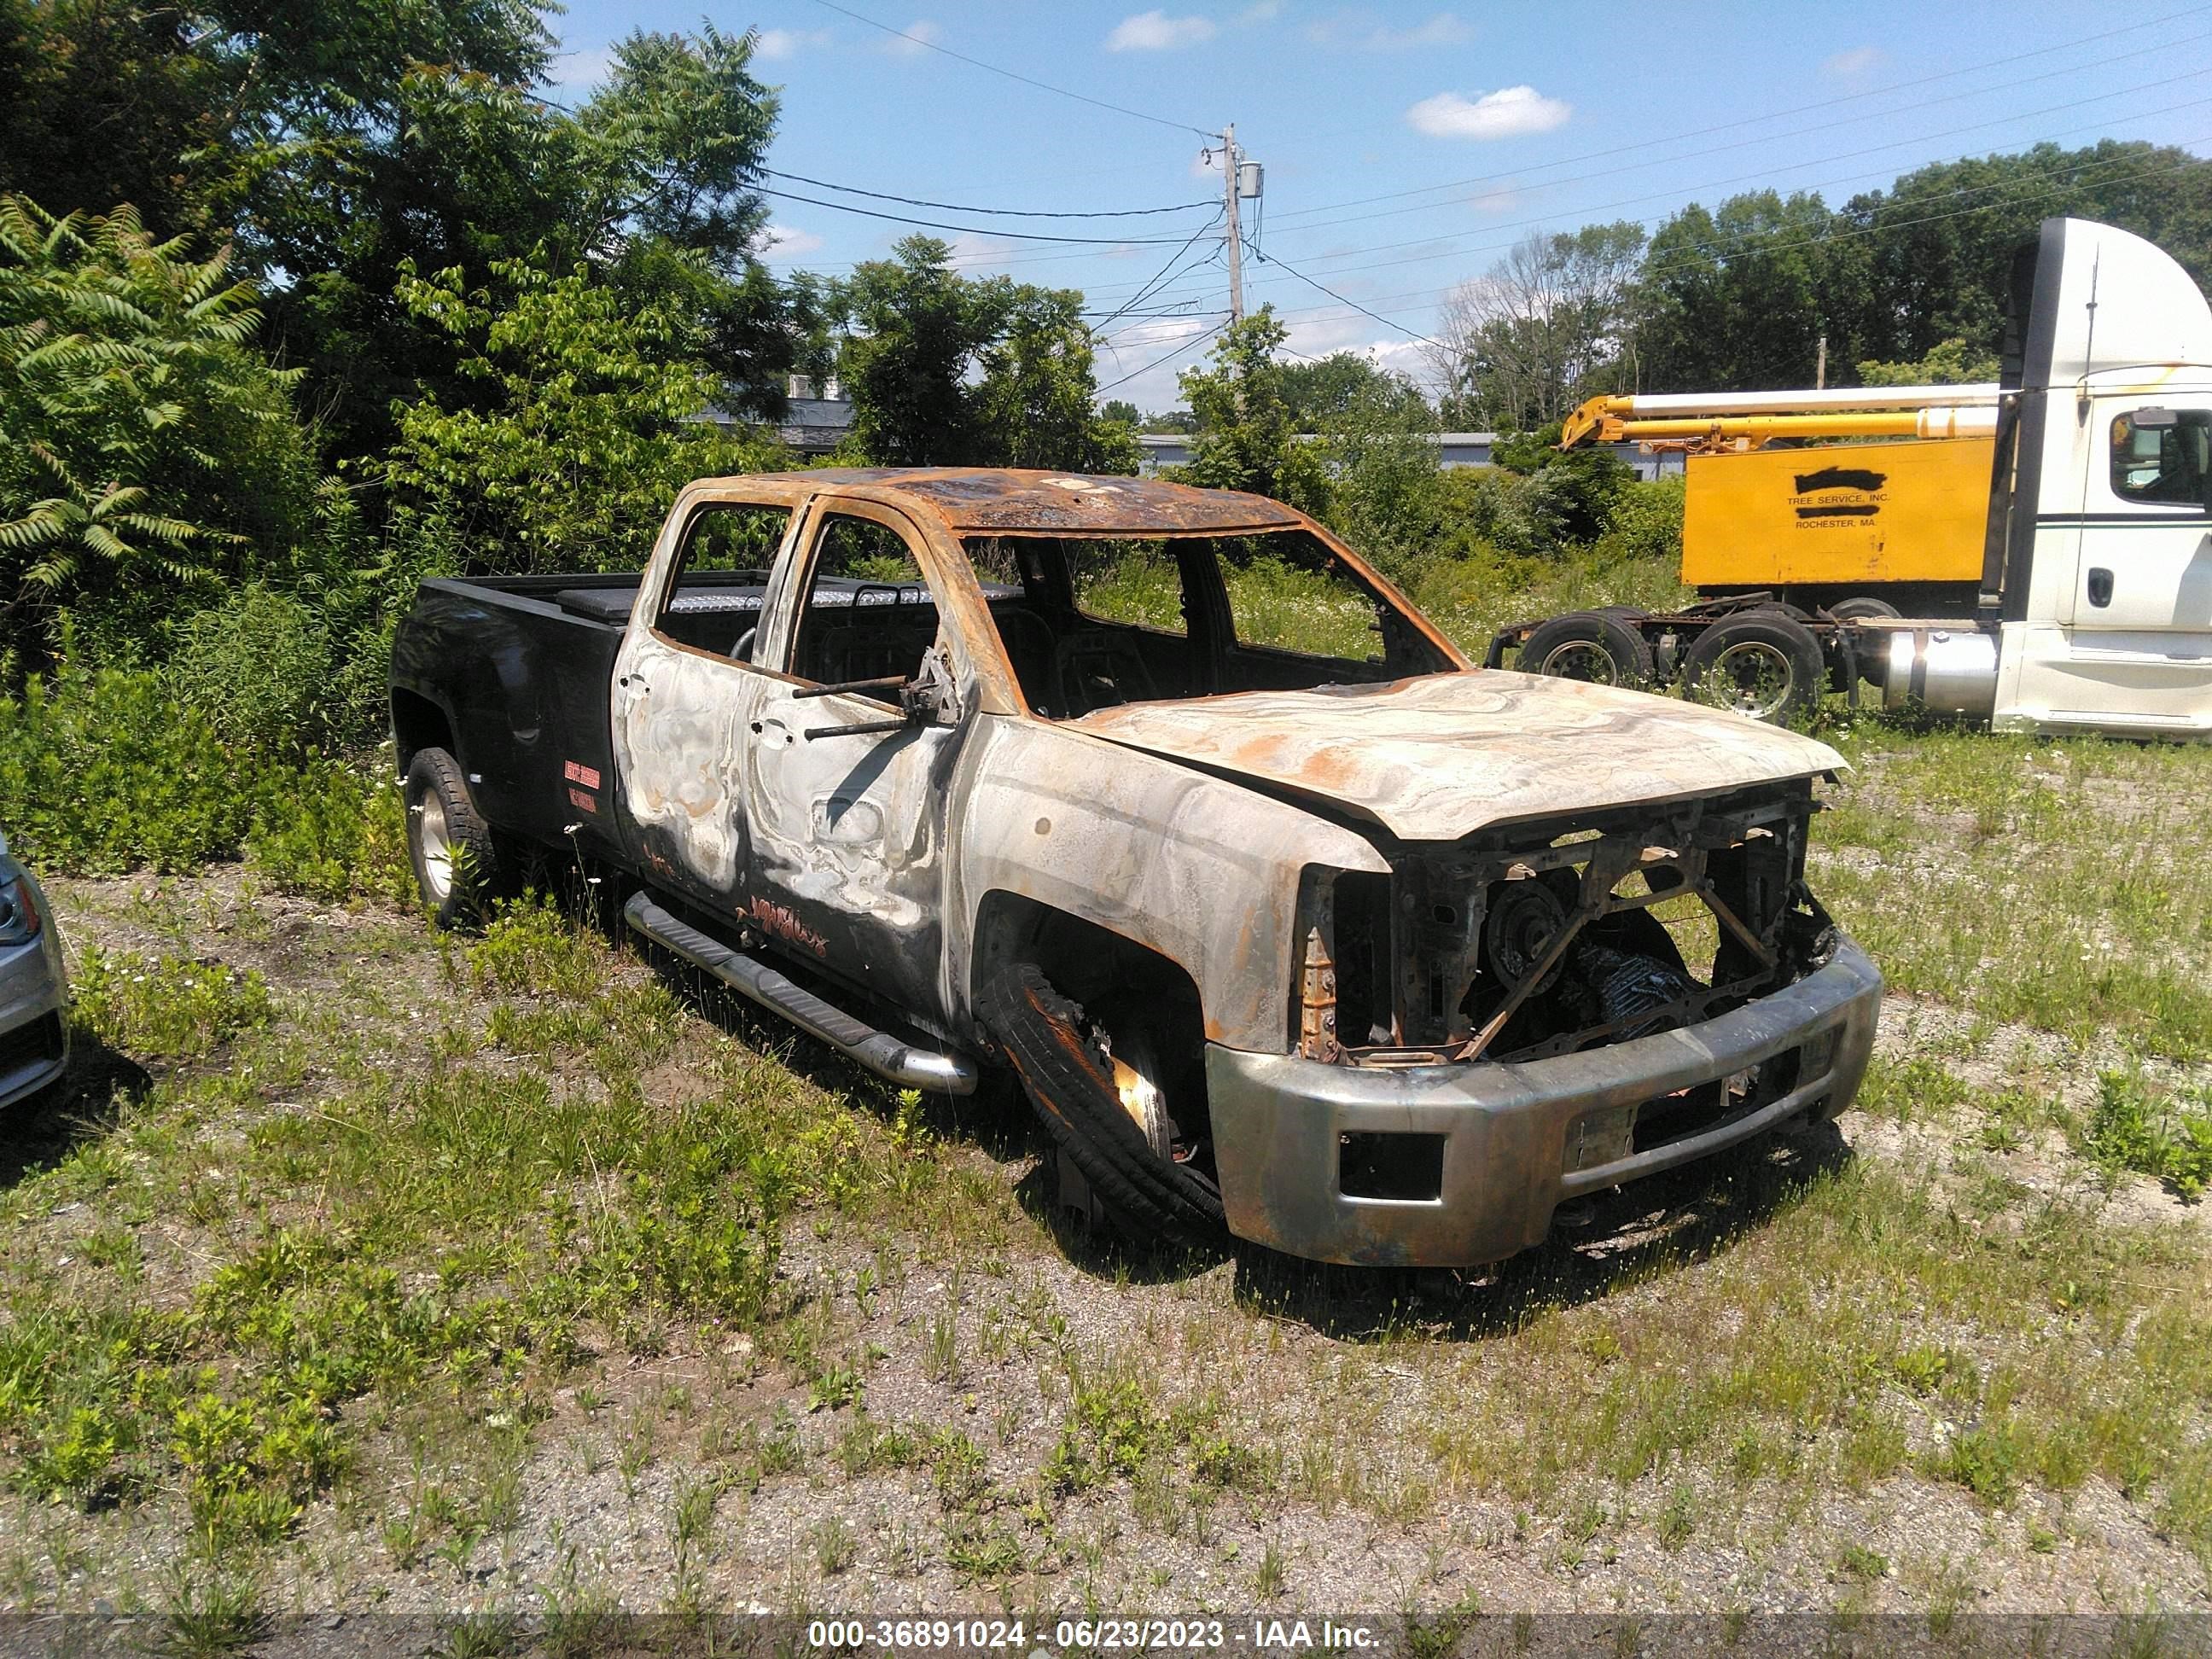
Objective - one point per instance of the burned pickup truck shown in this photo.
(1290, 921)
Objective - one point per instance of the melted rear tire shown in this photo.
(1147, 1196)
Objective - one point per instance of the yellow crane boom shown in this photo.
(1712, 421)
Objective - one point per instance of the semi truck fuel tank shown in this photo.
(1944, 671)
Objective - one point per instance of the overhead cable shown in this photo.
(1182, 347)
(1005, 213)
(1026, 80)
(1644, 144)
(972, 230)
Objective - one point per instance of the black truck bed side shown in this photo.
(514, 683)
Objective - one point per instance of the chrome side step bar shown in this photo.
(879, 1051)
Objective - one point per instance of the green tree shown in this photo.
(105, 101)
(1940, 242)
(146, 448)
(1546, 326)
(583, 424)
(1951, 363)
(947, 371)
(1247, 437)
(336, 142)
(1737, 299)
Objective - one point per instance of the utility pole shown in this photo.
(1231, 178)
(1820, 366)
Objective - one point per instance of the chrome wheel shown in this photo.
(1581, 660)
(1752, 677)
(437, 843)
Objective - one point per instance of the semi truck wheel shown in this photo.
(1100, 1093)
(1874, 665)
(1764, 664)
(1602, 646)
(448, 841)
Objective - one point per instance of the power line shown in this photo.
(1745, 247)
(1007, 213)
(1717, 184)
(1777, 115)
(1269, 259)
(1182, 347)
(1143, 292)
(1948, 132)
(1027, 81)
(1449, 247)
(972, 230)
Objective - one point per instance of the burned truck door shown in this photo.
(846, 789)
(684, 691)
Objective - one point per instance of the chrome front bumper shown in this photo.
(1512, 1141)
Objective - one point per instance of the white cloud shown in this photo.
(1442, 30)
(1510, 113)
(1368, 33)
(915, 38)
(1263, 11)
(1155, 30)
(788, 43)
(1856, 64)
(1498, 198)
(789, 242)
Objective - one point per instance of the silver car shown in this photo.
(33, 986)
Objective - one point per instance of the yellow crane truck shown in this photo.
(2035, 552)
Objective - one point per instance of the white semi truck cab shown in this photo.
(2097, 586)
(2092, 610)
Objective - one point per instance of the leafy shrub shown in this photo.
(105, 771)
(102, 772)
(262, 669)
(584, 427)
(150, 448)
(1645, 524)
(335, 834)
(1487, 507)
(168, 1007)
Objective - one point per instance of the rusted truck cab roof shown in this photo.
(1014, 500)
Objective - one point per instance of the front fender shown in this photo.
(1201, 871)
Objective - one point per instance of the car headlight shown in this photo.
(20, 920)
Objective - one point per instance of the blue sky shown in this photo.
(1474, 125)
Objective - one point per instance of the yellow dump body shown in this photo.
(1838, 514)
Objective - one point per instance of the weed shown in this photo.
(1985, 1460)
(2168, 1136)
(835, 1548)
(1111, 1430)
(209, 1608)
(982, 1554)
(834, 1386)
(1860, 1562)
(336, 833)
(1267, 1582)
(167, 1008)
(957, 1470)
(940, 1358)
(1679, 1520)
